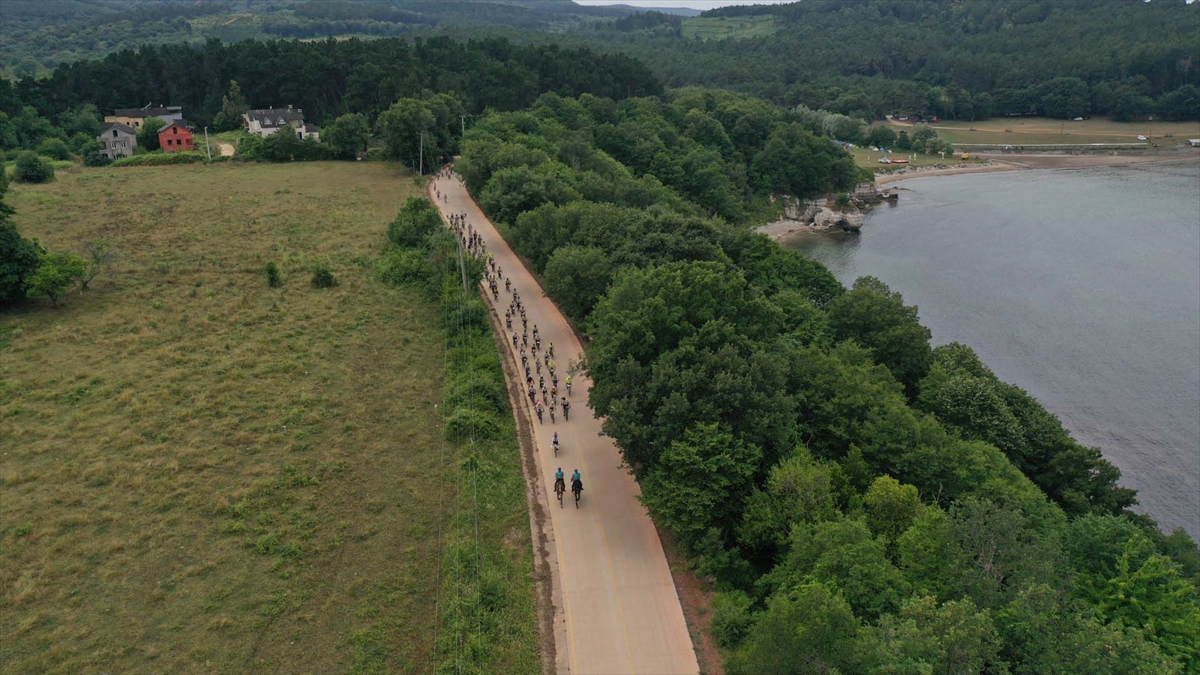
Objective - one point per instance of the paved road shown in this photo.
(622, 612)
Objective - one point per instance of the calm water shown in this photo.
(1081, 286)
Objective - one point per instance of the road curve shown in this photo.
(620, 606)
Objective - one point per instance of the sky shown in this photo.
(690, 4)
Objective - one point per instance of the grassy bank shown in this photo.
(203, 473)
(1043, 130)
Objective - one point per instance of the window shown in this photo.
(114, 133)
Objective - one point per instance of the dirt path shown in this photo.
(226, 149)
(619, 604)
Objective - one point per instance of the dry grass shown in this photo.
(203, 474)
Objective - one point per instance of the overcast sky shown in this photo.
(691, 4)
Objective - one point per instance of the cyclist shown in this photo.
(566, 410)
(568, 385)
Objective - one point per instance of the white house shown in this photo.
(270, 120)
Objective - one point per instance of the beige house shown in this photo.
(117, 140)
(268, 121)
(135, 117)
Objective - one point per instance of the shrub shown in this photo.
(842, 201)
(54, 148)
(19, 258)
(478, 389)
(92, 157)
(417, 219)
(32, 169)
(466, 423)
(160, 159)
(404, 266)
(274, 278)
(322, 277)
(731, 617)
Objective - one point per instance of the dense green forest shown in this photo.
(326, 79)
(958, 60)
(38, 36)
(867, 503)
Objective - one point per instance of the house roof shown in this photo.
(109, 126)
(182, 124)
(275, 117)
(310, 128)
(147, 112)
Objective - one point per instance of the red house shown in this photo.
(175, 137)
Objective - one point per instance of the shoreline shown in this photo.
(1024, 162)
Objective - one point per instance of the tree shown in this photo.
(1181, 104)
(511, 192)
(576, 277)
(30, 168)
(953, 638)
(54, 148)
(843, 555)
(1065, 98)
(877, 318)
(18, 256)
(881, 135)
(891, 506)
(233, 106)
(700, 480)
(401, 127)
(798, 490)
(806, 630)
(348, 135)
(99, 258)
(147, 136)
(1147, 591)
(56, 273)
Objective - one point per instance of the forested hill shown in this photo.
(39, 35)
(962, 60)
(329, 77)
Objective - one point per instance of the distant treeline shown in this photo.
(328, 78)
(957, 60)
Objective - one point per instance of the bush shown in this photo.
(418, 218)
(54, 148)
(92, 156)
(160, 159)
(466, 423)
(32, 169)
(404, 266)
(19, 258)
(731, 617)
(56, 274)
(842, 201)
(477, 389)
(274, 278)
(322, 277)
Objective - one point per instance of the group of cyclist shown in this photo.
(528, 345)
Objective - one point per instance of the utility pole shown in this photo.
(463, 118)
(208, 149)
(421, 170)
(462, 266)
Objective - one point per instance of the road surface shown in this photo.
(621, 609)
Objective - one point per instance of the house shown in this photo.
(1194, 142)
(175, 137)
(117, 140)
(135, 117)
(270, 120)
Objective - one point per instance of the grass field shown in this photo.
(721, 28)
(204, 474)
(1040, 130)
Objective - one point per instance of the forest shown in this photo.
(957, 60)
(865, 502)
(38, 36)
